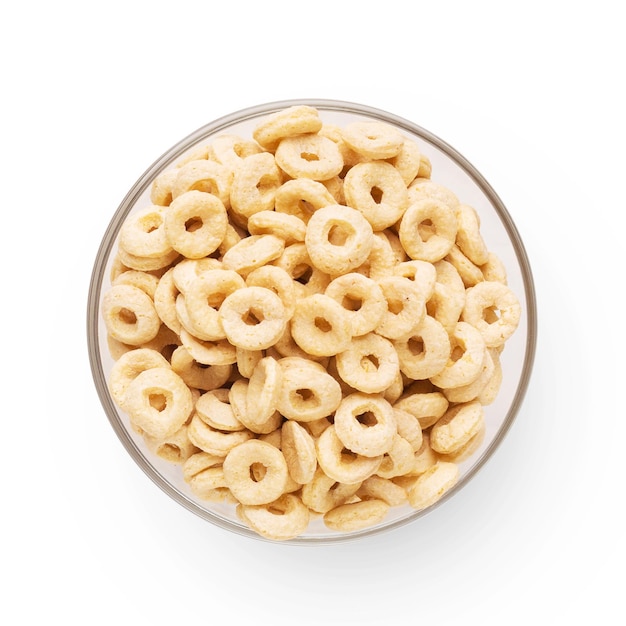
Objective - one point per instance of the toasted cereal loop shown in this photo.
(239, 463)
(306, 324)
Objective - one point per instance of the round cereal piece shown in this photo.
(298, 447)
(470, 274)
(287, 347)
(308, 392)
(425, 352)
(446, 305)
(238, 399)
(500, 298)
(277, 280)
(165, 296)
(174, 449)
(291, 121)
(377, 488)
(253, 318)
(252, 252)
(467, 353)
(490, 391)
(230, 150)
(407, 161)
(457, 426)
(204, 175)
(362, 299)
(296, 262)
(365, 424)
(434, 243)
(355, 516)
(399, 460)
(374, 140)
(214, 409)
(264, 388)
(320, 326)
(289, 228)
(143, 280)
(422, 188)
(370, 363)
(144, 263)
(128, 367)
(430, 486)
(408, 427)
(426, 167)
(129, 315)
(219, 352)
(309, 156)
(494, 269)
(323, 493)
(234, 234)
(212, 440)
(199, 375)
(471, 391)
(247, 359)
(301, 197)
(377, 190)
(381, 259)
(165, 342)
(204, 474)
(422, 273)
(239, 465)
(254, 185)
(424, 458)
(406, 308)
(161, 187)
(203, 299)
(143, 233)
(468, 237)
(158, 402)
(187, 270)
(285, 518)
(467, 450)
(426, 405)
(341, 464)
(195, 224)
(338, 239)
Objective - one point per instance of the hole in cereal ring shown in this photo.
(170, 451)
(257, 472)
(168, 350)
(309, 156)
(157, 401)
(323, 324)
(215, 299)
(277, 508)
(193, 224)
(377, 194)
(367, 419)
(208, 186)
(426, 230)
(415, 346)
(302, 273)
(127, 316)
(265, 184)
(491, 314)
(306, 394)
(339, 234)
(456, 353)
(395, 305)
(351, 304)
(253, 317)
(370, 363)
(347, 456)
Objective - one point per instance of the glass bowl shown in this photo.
(450, 169)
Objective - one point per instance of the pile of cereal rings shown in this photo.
(307, 324)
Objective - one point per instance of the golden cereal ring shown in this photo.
(301, 197)
(369, 364)
(289, 122)
(187, 270)
(470, 274)
(377, 488)
(238, 466)
(144, 281)
(422, 273)
(214, 409)
(338, 239)
(468, 237)
(254, 185)
(144, 263)
(427, 406)
(129, 315)
(298, 447)
(277, 280)
(197, 375)
(362, 298)
(234, 234)
(308, 392)
(165, 296)
(212, 440)
(289, 228)
(320, 326)
(430, 486)
(374, 140)
(204, 175)
(430, 246)
(264, 388)
(204, 474)
(377, 190)
(381, 259)
(494, 269)
(161, 188)
(355, 516)
(219, 352)
(408, 427)
(365, 424)
(281, 520)
(296, 262)
(323, 493)
(230, 150)
(424, 458)
(467, 353)
(158, 402)
(468, 449)
(253, 318)
(343, 466)
(143, 233)
(398, 460)
(195, 224)
(252, 252)
(457, 426)
(471, 391)
(238, 399)
(405, 308)
(426, 167)
(425, 352)
(407, 161)
(309, 156)
(196, 153)
(490, 294)
(422, 188)
(287, 347)
(203, 299)
(247, 359)
(174, 449)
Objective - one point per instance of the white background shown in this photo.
(528, 92)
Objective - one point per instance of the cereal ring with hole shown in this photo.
(501, 300)
(374, 140)
(381, 259)
(158, 402)
(309, 156)
(323, 493)
(425, 352)
(376, 189)
(427, 405)
(143, 234)
(277, 280)
(204, 175)
(377, 488)
(129, 315)
(435, 242)
(365, 424)
(285, 518)
(370, 363)
(253, 318)
(252, 252)
(272, 477)
(471, 391)
(470, 274)
(457, 426)
(264, 388)
(406, 308)
(254, 186)
(341, 464)
(338, 239)
(238, 398)
(230, 150)
(362, 299)
(199, 375)
(301, 197)
(407, 161)
(161, 188)
(424, 458)
(296, 262)
(468, 449)
(214, 441)
(398, 460)
(308, 392)
(187, 270)
(408, 427)
(320, 325)
(195, 224)
(289, 122)
(289, 228)
(355, 516)
(430, 486)
(422, 188)
(287, 347)
(144, 263)
(467, 353)
(165, 296)
(146, 282)
(422, 273)
(220, 352)
(468, 237)
(298, 447)
(204, 474)
(174, 449)
(214, 409)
